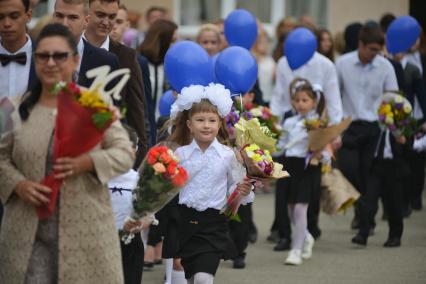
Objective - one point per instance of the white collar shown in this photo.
(215, 145)
(104, 45)
(27, 48)
(404, 62)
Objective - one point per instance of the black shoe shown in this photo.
(283, 244)
(158, 261)
(359, 240)
(148, 266)
(239, 263)
(273, 237)
(392, 243)
(355, 223)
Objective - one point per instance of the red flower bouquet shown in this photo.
(81, 121)
(161, 177)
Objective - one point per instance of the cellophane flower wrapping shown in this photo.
(396, 114)
(161, 178)
(81, 121)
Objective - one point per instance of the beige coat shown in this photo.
(89, 249)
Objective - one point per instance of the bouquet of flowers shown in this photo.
(82, 118)
(259, 165)
(161, 177)
(395, 114)
(265, 117)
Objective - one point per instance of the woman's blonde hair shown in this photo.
(208, 28)
(180, 131)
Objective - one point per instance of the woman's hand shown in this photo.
(67, 167)
(33, 193)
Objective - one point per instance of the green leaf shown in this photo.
(101, 119)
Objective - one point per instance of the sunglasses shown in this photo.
(58, 57)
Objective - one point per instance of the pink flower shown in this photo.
(159, 168)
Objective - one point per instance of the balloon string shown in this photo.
(244, 122)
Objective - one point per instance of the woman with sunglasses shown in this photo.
(78, 243)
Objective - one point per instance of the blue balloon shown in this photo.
(213, 67)
(299, 47)
(165, 104)
(236, 69)
(402, 34)
(240, 28)
(187, 63)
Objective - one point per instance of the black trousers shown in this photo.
(390, 187)
(240, 230)
(356, 156)
(132, 256)
(416, 181)
(314, 207)
(281, 221)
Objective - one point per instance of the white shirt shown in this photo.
(211, 177)
(362, 85)
(122, 201)
(80, 50)
(319, 70)
(295, 137)
(15, 76)
(160, 83)
(104, 45)
(266, 76)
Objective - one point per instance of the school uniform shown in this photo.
(132, 254)
(387, 176)
(304, 179)
(203, 234)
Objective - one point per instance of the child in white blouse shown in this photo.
(203, 231)
(304, 178)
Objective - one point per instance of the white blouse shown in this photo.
(213, 176)
(122, 200)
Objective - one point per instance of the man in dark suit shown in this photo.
(73, 14)
(102, 14)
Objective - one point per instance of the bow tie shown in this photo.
(20, 58)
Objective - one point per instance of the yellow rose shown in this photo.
(389, 120)
(257, 158)
(407, 108)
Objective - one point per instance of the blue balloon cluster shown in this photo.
(402, 34)
(236, 69)
(240, 28)
(187, 63)
(299, 47)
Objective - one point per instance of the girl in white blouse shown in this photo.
(304, 178)
(199, 128)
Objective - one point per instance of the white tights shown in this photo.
(298, 214)
(201, 278)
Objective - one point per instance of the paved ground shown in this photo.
(335, 259)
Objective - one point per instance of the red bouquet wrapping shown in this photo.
(81, 121)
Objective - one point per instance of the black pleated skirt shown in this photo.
(202, 240)
(302, 181)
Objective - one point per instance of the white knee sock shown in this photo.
(178, 277)
(203, 278)
(169, 268)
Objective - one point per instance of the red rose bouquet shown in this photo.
(81, 121)
(161, 177)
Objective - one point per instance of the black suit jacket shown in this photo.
(94, 57)
(132, 94)
(414, 86)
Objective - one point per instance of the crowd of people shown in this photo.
(79, 243)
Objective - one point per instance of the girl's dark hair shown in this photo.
(181, 134)
(34, 91)
(158, 40)
(299, 85)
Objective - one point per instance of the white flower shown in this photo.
(256, 112)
